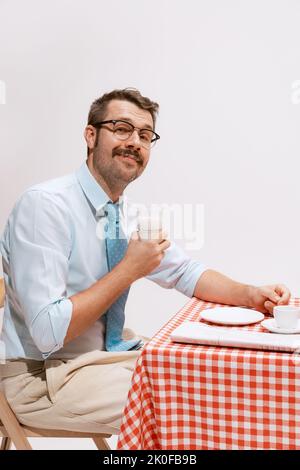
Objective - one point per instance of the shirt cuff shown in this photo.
(50, 327)
(187, 282)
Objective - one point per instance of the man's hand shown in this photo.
(143, 256)
(265, 298)
(213, 286)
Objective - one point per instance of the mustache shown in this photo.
(124, 152)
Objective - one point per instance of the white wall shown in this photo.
(223, 73)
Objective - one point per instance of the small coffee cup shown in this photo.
(150, 228)
(286, 316)
(149, 234)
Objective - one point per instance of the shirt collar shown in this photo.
(94, 192)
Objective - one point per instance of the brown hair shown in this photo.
(99, 106)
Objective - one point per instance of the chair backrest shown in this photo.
(2, 292)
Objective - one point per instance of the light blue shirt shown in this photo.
(51, 249)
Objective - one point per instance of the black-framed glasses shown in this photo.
(124, 129)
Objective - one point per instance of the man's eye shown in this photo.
(122, 129)
(145, 136)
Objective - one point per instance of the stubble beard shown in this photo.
(112, 173)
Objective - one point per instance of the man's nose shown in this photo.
(134, 140)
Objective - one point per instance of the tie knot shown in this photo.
(112, 212)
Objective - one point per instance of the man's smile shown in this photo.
(128, 157)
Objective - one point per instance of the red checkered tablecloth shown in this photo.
(187, 396)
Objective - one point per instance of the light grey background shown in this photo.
(223, 72)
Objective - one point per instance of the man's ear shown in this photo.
(90, 136)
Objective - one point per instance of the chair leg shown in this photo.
(6, 443)
(12, 425)
(101, 443)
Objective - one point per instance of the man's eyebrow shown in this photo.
(145, 126)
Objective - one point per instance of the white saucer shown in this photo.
(271, 326)
(231, 315)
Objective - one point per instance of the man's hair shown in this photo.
(99, 106)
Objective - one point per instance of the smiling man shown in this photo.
(69, 360)
(114, 166)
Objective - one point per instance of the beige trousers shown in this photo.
(85, 394)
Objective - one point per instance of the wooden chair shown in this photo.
(15, 432)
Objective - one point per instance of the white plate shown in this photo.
(271, 326)
(231, 316)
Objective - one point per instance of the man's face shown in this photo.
(121, 161)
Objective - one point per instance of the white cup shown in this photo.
(286, 317)
(149, 227)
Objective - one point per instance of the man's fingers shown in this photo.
(269, 306)
(284, 294)
(279, 294)
(272, 295)
(164, 245)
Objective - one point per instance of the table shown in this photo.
(189, 397)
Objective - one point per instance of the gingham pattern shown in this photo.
(206, 397)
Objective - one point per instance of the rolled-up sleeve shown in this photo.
(178, 271)
(40, 244)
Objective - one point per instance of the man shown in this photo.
(68, 366)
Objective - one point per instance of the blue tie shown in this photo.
(116, 245)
